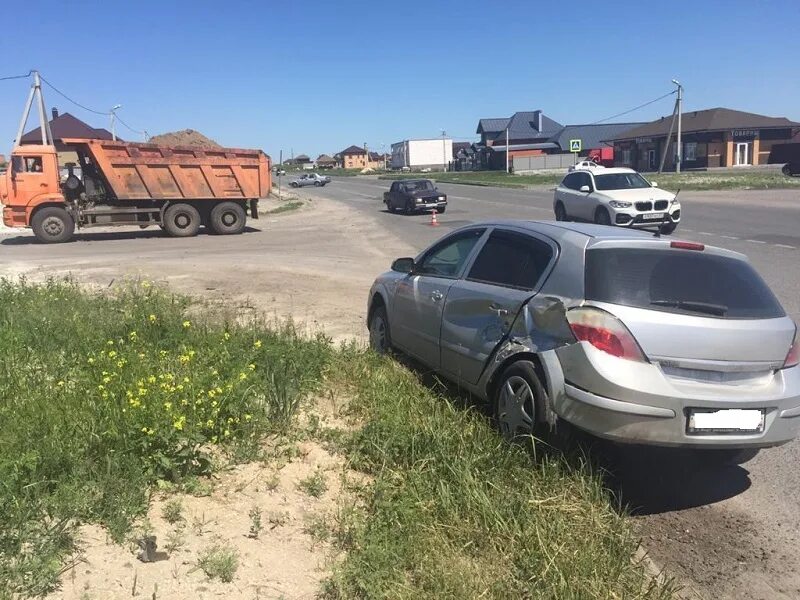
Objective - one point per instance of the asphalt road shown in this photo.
(726, 533)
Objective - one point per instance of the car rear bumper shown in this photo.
(642, 406)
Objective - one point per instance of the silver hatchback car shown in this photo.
(628, 336)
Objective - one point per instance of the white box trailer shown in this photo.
(435, 153)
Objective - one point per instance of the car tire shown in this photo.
(52, 225)
(293, 184)
(441, 210)
(181, 220)
(560, 211)
(408, 209)
(380, 339)
(228, 218)
(668, 228)
(601, 216)
(787, 170)
(518, 398)
(317, 184)
(725, 457)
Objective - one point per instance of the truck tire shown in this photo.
(181, 220)
(228, 218)
(52, 225)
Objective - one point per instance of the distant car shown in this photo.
(310, 179)
(629, 337)
(411, 195)
(615, 196)
(586, 164)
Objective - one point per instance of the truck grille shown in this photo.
(644, 206)
(661, 204)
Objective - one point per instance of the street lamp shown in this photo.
(114, 110)
(679, 108)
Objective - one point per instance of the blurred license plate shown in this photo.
(653, 216)
(731, 420)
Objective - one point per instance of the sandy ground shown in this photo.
(283, 561)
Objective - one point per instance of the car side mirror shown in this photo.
(585, 189)
(403, 265)
(654, 184)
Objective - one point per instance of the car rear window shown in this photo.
(679, 281)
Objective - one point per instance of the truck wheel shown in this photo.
(52, 225)
(181, 220)
(228, 218)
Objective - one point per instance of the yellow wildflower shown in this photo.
(112, 354)
(132, 336)
(187, 324)
(248, 417)
(242, 376)
(60, 384)
(152, 318)
(184, 359)
(185, 380)
(168, 405)
(146, 284)
(90, 360)
(110, 342)
(179, 423)
(251, 366)
(141, 354)
(178, 387)
(226, 336)
(142, 391)
(211, 394)
(257, 344)
(106, 379)
(151, 379)
(121, 363)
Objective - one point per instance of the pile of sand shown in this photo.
(186, 137)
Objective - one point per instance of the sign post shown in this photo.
(575, 147)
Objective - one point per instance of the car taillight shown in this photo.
(793, 358)
(605, 332)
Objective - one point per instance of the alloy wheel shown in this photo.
(515, 412)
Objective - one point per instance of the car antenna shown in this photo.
(664, 218)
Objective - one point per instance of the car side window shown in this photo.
(569, 181)
(511, 259)
(586, 180)
(446, 258)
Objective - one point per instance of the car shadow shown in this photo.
(136, 234)
(644, 480)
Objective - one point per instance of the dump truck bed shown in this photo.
(136, 171)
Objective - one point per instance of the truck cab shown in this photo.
(32, 180)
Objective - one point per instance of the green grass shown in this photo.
(729, 179)
(314, 485)
(733, 179)
(106, 397)
(103, 396)
(219, 562)
(455, 512)
(287, 206)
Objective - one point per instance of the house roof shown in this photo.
(713, 119)
(300, 157)
(67, 126)
(537, 146)
(324, 158)
(353, 150)
(492, 125)
(593, 135)
(529, 125)
(458, 146)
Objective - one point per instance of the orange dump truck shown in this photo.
(124, 183)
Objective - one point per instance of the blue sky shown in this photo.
(319, 76)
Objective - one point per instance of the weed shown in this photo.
(219, 562)
(176, 539)
(278, 519)
(199, 524)
(318, 528)
(288, 206)
(255, 522)
(173, 511)
(107, 396)
(314, 485)
(272, 482)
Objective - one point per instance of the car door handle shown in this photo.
(499, 310)
(436, 296)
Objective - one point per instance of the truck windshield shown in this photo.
(419, 186)
(678, 281)
(620, 181)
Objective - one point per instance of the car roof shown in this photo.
(608, 170)
(589, 234)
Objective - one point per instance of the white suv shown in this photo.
(615, 196)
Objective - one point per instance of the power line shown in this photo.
(129, 127)
(633, 109)
(63, 95)
(16, 76)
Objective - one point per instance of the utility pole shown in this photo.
(444, 151)
(114, 110)
(44, 124)
(280, 176)
(383, 155)
(679, 108)
(507, 150)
